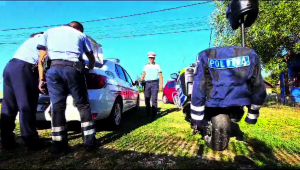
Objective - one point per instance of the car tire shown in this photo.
(137, 107)
(219, 132)
(165, 99)
(115, 116)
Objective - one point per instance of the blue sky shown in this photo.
(171, 49)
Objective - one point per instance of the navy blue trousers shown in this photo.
(151, 91)
(62, 81)
(20, 93)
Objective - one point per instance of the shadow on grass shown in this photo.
(160, 152)
(253, 154)
(130, 121)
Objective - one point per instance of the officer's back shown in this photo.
(232, 76)
(65, 40)
(65, 46)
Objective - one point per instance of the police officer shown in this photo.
(227, 78)
(21, 94)
(152, 72)
(65, 46)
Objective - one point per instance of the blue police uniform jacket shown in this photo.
(227, 77)
(65, 43)
(27, 51)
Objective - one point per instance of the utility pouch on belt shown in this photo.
(80, 65)
(46, 63)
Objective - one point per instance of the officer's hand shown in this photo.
(41, 88)
(91, 65)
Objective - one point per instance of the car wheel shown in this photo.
(164, 99)
(137, 106)
(115, 116)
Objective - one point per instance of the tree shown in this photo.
(275, 32)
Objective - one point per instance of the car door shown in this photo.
(124, 87)
(132, 93)
(170, 90)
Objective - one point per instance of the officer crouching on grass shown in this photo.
(21, 94)
(152, 72)
(65, 46)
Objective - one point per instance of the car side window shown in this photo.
(120, 73)
(129, 80)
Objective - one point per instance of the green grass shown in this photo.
(168, 143)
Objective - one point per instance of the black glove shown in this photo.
(143, 83)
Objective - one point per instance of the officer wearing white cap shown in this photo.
(65, 46)
(151, 74)
(21, 94)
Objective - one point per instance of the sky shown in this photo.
(174, 51)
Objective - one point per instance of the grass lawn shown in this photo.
(168, 143)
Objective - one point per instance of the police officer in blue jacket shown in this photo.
(21, 94)
(65, 46)
(227, 78)
(151, 75)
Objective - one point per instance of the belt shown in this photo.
(34, 67)
(15, 59)
(62, 62)
(151, 81)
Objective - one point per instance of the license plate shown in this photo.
(42, 107)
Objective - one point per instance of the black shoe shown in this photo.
(92, 146)
(89, 148)
(55, 150)
(11, 146)
(153, 117)
(38, 146)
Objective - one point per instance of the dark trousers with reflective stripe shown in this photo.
(61, 81)
(151, 91)
(20, 94)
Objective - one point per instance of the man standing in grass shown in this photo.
(151, 74)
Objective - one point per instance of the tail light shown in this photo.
(95, 81)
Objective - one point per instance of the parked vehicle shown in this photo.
(168, 92)
(110, 88)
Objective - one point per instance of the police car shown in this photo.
(110, 88)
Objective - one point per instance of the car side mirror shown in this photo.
(174, 76)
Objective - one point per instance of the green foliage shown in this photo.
(271, 36)
(273, 79)
(141, 89)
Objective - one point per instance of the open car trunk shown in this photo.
(44, 100)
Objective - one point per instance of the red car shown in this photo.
(168, 91)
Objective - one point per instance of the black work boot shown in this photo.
(154, 113)
(8, 146)
(91, 146)
(35, 144)
(59, 148)
(148, 110)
